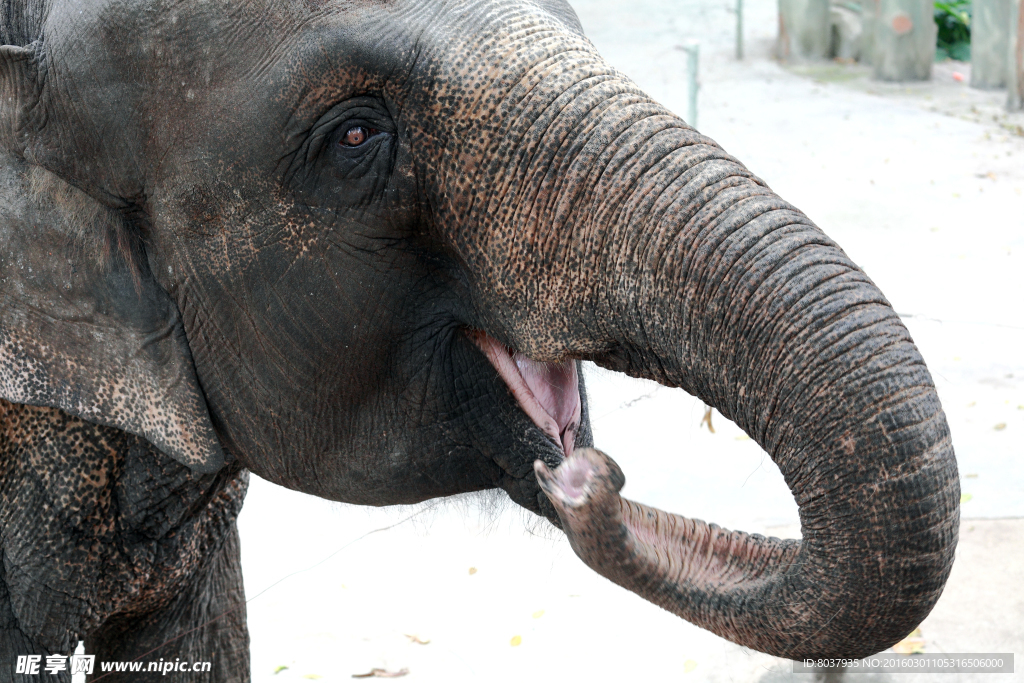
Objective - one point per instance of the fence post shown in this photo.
(904, 40)
(739, 29)
(990, 36)
(692, 51)
(1015, 73)
(803, 29)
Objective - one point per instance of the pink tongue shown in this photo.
(557, 389)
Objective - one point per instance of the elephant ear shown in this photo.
(85, 327)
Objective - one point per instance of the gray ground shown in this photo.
(921, 184)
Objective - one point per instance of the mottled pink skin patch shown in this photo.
(574, 477)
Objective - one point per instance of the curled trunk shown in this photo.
(612, 231)
(733, 295)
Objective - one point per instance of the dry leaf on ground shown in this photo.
(911, 645)
(417, 639)
(382, 673)
(707, 418)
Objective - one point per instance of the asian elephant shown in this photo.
(360, 247)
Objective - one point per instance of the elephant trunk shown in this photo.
(721, 288)
(594, 224)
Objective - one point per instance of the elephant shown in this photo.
(361, 248)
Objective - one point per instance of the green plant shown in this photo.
(954, 22)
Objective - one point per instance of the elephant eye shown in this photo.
(357, 135)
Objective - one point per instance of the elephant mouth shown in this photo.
(549, 393)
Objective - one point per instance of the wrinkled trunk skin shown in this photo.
(755, 311)
(750, 307)
(648, 249)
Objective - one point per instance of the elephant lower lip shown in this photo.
(549, 393)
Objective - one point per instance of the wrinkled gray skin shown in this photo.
(302, 238)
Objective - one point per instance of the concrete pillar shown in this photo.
(1015, 72)
(803, 30)
(869, 10)
(904, 40)
(990, 36)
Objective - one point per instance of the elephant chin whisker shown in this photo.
(549, 393)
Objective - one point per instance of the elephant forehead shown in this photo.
(162, 42)
(164, 74)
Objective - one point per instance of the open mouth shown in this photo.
(548, 392)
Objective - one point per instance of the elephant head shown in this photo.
(361, 247)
